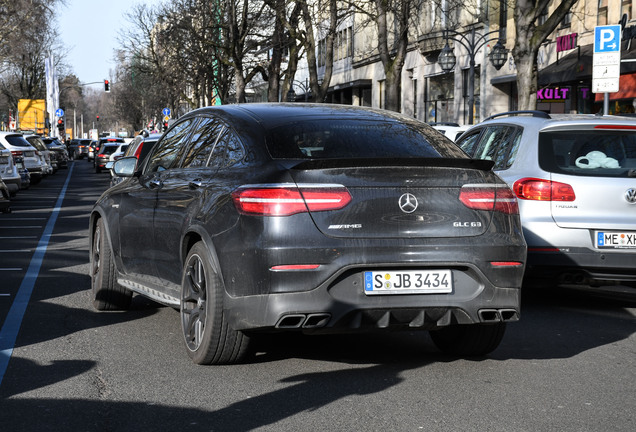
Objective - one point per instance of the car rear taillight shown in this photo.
(16, 153)
(490, 197)
(286, 200)
(543, 190)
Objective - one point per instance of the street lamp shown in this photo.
(473, 44)
(291, 94)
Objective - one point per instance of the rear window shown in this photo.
(602, 153)
(109, 149)
(333, 139)
(17, 140)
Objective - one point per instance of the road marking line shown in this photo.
(11, 326)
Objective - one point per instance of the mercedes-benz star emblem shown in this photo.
(630, 196)
(408, 203)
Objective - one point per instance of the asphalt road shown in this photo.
(568, 365)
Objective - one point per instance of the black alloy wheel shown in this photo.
(208, 337)
(107, 293)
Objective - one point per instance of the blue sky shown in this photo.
(89, 30)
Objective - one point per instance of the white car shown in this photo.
(451, 130)
(575, 179)
(119, 152)
(9, 172)
(19, 146)
(43, 151)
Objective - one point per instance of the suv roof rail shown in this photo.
(534, 113)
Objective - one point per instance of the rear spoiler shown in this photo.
(478, 164)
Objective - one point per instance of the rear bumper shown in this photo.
(340, 306)
(581, 266)
(13, 183)
(36, 172)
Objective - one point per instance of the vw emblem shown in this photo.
(408, 203)
(630, 196)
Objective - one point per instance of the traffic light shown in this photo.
(97, 118)
(165, 126)
(107, 86)
(60, 124)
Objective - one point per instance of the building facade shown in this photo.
(431, 94)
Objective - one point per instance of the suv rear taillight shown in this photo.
(286, 200)
(543, 190)
(490, 197)
(16, 153)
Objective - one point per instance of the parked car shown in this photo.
(9, 171)
(139, 147)
(103, 154)
(49, 165)
(58, 150)
(90, 155)
(119, 153)
(451, 130)
(19, 146)
(314, 218)
(99, 144)
(575, 178)
(25, 176)
(78, 148)
(5, 200)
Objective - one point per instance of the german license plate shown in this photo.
(408, 282)
(615, 240)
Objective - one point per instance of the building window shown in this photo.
(602, 12)
(567, 20)
(544, 15)
(342, 46)
(439, 103)
(626, 9)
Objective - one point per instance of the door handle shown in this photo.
(195, 184)
(155, 184)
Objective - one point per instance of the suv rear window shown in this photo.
(17, 140)
(109, 149)
(589, 153)
(345, 139)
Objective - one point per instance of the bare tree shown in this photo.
(530, 34)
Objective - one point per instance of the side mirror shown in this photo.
(124, 167)
(109, 165)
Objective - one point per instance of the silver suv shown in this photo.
(575, 178)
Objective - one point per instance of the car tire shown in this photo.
(208, 337)
(107, 293)
(472, 340)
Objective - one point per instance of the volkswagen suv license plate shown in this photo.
(408, 282)
(615, 240)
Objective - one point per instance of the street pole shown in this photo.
(447, 59)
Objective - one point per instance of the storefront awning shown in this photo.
(577, 65)
(503, 79)
(574, 66)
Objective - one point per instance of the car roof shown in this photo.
(543, 120)
(272, 114)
